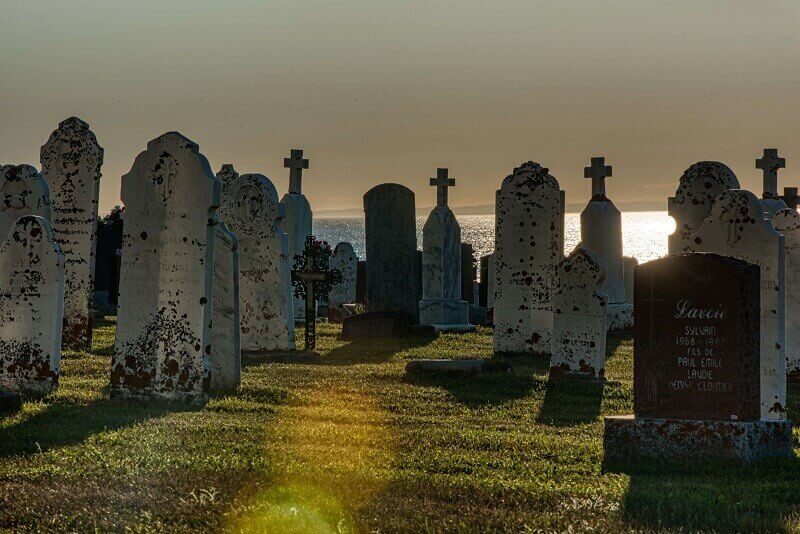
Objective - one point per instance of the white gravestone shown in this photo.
(71, 161)
(163, 342)
(601, 231)
(298, 222)
(250, 208)
(24, 192)
(226, 355)
(787, 222)
(529, 243)
(769, 164)
(31, 308)
(343, 259)
(441, 304)
(699, 186)
(737, 227)
(580, 317)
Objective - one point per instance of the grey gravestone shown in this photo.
(23, 192)
(298, 222)
(226, 353)
(71, 161)
(343, 259)
(392, 257)
(696, 365)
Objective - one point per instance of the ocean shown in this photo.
(644, 233)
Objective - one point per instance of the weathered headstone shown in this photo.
(787, 222)
(469, 274)
(441, 304)
(376, 325)
(483, 286)
(629, 267)
(699, 384)
(529, 243)
(298, 222)
(699, 186)
(769, 164)
(106, 269)
(24, 192)
(71, 161)
(580, 317)
(163, 342)
(250, 208)
(344, 259)
(226, 353)
(790, 197)
(31, 308)
(737, 227)
(392, 256)
(601, 231)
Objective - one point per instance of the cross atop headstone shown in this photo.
(314, 279)
(442, 182)
(295, 164)
(791, 197)
(598, 172)
(770, 163)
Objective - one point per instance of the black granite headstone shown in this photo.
(361, 282)
(483, 285)
(376, 325)
(697, 339)
(468, 272)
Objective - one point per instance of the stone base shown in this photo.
(457, 367)
(444, 312)
(628, 439)
(620, 316)
(454, 328)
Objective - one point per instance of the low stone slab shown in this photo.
(628, 439)
(457, 367)
(10, 403)
(376, 325)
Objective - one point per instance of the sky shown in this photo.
(387, 91)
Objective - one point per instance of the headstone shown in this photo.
(31, 308)
(250, 209)
(787, 222)
(529, 243)
(769, 164)
(629, 267)
(71, 161)
(699, 385)
(468, 273)
(344, 259)
(298, 222)
(790, 197)
(361, 282)
(392, 257)
(736, 227)
(106, 269)
(441, 304)
(699, 186)
(312, 278)
(483, 286)
(376, 325)
(163, 342)
(226, 353)
(24, 192)
(580, 317)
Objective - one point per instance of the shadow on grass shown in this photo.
(571, 402)
(64, 424)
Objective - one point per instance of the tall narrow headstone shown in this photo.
(250, 208)
(629, 266)
(699, 186)
(361, 282)
(529, 243)
(163, 342)
(468, 273)
(24, 192)
(441, 304)
(580, 317)
(31, 307)
(770, 163)
(737, 227)
(298, 222)
(343, 259)
(391, 244)
(71, 161)
(601, 231)
(787, 222)
(226, 354)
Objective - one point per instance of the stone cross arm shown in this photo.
(442, 182)
(295, 164)
(598, 172)
(769, 163)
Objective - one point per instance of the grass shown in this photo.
(348, 443)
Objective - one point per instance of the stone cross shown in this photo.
(307, 277)
(598, 172)
(770, 163)
(442, 182)
(295, 164)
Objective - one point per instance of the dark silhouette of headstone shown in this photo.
(376, 325)
(109, 242)
(598, 172)
(295, 164)
(791, 197)
(10, 402)
(361, 282)
(483, 286)
(769, 164)
(468, 272)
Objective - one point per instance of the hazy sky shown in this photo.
(379, 91)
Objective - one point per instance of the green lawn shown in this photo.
(348, 443)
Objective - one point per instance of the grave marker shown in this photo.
(23, 192)
(226, 353)
(770, 163)
(298, 221)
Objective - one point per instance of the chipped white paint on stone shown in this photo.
(737, 227)
(699, 186)
(345, 260)
(31, 308)
(250, 208)
(226, 363)
(529, 243)
(71, 161)
(23, 192)
(580, 318)
(787, 222)
(163, 339)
